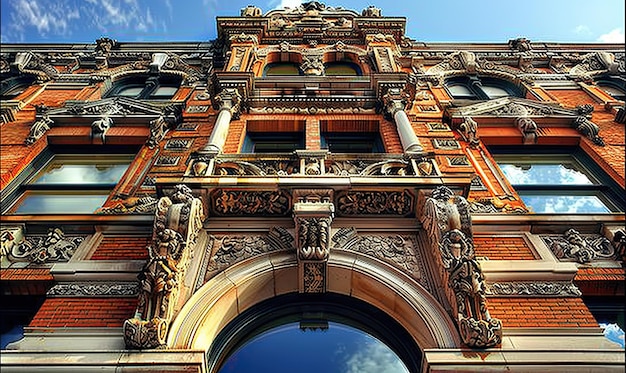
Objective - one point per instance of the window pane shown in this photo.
(130, 91)
(282, 69)
(339, 68)
(61, 202)
(541, 203)
(73, 170)
(338, 348)
(461, 91)
(544, 172)
(164, 92)
(494, 92)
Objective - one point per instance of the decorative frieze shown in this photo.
(536, 288)
(458, 161)
(167, 161)
(178, 144)
(194, 109)
(233, 202)
(94, 289)
(133, 205)
(446, 144)
(583, 248)
(55, 246)
(352, 203)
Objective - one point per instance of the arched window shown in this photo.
(481, 88)
(341, 69)
(282, 68)
(12, 87)
(346, 334)
(615, 87)
(150, 88)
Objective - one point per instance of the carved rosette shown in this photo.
(313, 215)
(447, 220)
(178, 219)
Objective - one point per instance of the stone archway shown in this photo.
(262, 277)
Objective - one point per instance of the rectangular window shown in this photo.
(350, 142)
(273, 136)
(72, 183)
(563, 182)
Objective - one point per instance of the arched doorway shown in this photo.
(207, 318)
(314, 333)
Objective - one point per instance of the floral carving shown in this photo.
(377, 203)
(561, 289)
(246, 203)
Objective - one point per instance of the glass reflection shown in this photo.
(544, 173)
(292, 348)
(61, 203)
(74, 171)
(565, 204)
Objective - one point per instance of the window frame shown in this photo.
(342, 138)
(150, 84)
(602, 186)
(25, 184)
(254, 138)
(475, 85)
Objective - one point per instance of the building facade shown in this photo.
(163, 202)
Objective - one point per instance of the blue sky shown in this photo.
(50, 21)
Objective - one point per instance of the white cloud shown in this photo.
(582, 30)
(375, 357)
(275, 4)
(614, 36)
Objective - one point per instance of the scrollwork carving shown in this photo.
(55, 246)
(582, 248)
(246, 203)
(541, 289)
(376, 202)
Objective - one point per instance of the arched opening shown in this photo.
(346, 334)
(146, 87)
(341, 69)
(282, 69)
(202, 320)
(481, 88)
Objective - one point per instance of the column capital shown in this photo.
(229, 99)
(394, 100)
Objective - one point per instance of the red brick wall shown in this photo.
(601, 281)
(122, 248)
(84, 312)
(503, 248)
(535, 312)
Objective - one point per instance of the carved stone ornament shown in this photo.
(537, 288)
(177, 221)
(169, 118)
(582, 248)
(447, 220)
(350, 203)
(54, 246)
(399, 250)
(593, 64)
(394, 100)
(589, 129)
(528, 128)
(133, 205)
(38, 129)
(231, 249)
(34, 64)
(494, 205)
(225, 202)
(94, 289)
(229, 99)
(312, 65)
(469, 130)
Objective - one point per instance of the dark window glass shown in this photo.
(352, 142)
(480, 88)
(153, 88)
(272, 142)
(341, 69)
(281, 68)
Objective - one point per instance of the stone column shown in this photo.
(395, 103)
(229, 103)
